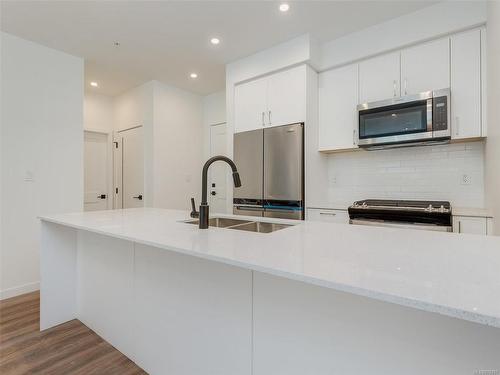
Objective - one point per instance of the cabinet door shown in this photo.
(250, 105)
(425, 67)
(328, 216)
(286, 97)
(338, 98)
(466, 85)
(379, 78)
(470, 225)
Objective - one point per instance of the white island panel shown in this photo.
(105, 288)
(58, 263)
(305, 329)
(193, 316)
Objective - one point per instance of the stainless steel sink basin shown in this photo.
(220, 222)
(260, 227)
(238, 224)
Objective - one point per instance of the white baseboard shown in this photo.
(18, 290)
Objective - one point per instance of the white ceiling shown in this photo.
(167, 40)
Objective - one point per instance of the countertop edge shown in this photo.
(375, 295)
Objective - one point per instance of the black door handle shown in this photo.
(102, 196)
(213, 193)
(138, 197)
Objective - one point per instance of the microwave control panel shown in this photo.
(440, 113)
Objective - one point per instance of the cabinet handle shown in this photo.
(406, 86)
(354, 137)
(394, 86)
(263, 114)
(457, 126)
(328, 213)
(459, 226)
(269, 114)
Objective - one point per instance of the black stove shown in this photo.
(431, 213)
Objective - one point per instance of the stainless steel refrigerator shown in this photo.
(271, 166)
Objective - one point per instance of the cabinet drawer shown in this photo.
(326, 215)
(470, 225)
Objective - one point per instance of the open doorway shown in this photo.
(129, 168)
(97, 171)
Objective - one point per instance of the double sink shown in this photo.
(238, 224)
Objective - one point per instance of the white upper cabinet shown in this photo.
(425, 67)
(379, 78)
(338, 98)
(287, 97)
(250, 105)
(278, 99)
(466, 85)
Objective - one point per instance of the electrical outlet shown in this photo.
(333, 180)
(466, 179)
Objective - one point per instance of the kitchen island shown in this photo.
(313, 298)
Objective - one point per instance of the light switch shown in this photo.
(28, 176)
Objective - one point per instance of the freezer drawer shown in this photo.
(248, 210)
(249, 158)
(284, 214)
(283, 163)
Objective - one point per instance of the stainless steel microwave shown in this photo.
(406, 121)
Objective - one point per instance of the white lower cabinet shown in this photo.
(327, 215)
(472, 225)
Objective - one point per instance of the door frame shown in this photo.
(109, 164)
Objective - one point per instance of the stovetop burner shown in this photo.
(408, 211)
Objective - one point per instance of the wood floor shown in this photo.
(69, 349)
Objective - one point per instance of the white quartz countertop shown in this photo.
(447, 273)
(474, 212)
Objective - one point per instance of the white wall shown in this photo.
(214, 112)
(214, 108)
(42, 151)
(493, 140)
(178, 145)
(428, 173)
(98, 112)
(172, 120)
(133, 108)
(428, 23)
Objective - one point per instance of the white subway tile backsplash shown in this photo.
(430, 172)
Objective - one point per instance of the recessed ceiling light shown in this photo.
(284, 7)
(94, 84)
(193, 75)
(215, 41)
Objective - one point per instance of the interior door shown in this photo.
(218, 171)
(132, 147)
(95, 171)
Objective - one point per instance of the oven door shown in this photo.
(393, 224)
(399, 120)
